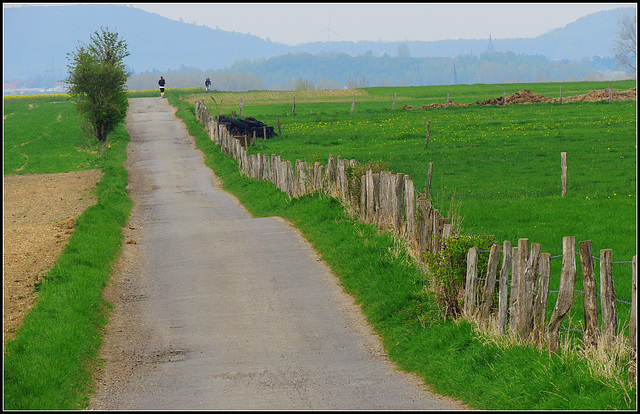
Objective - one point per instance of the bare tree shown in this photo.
(625, 49)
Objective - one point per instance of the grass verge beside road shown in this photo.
(50, 362)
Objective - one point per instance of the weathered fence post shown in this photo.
(393, 105)
(521, 258)
(241, 107)
(426, 141)
(293, 110)
(429, 174)
(540, 301)
(565, 296)
(386, 184)
(353, 103)
(563, 169)
(483, 312)
(526, 289)
(409, 205)
(397, 202)
(609, 327)
(590, 337)
(561, 95)
(513, 297)
(371, 203)
(501, 324)
(423, 204)
(471, 282)
(504, 97)
(447, 99)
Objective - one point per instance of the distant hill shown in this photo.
(37, 38)
(589, 36)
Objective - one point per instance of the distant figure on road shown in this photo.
(161, 85)
(207, 84)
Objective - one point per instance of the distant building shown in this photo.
(490, 45)
(454, 76)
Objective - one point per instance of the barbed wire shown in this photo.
(560, 255)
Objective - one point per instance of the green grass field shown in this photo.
(496, 167)
(507, 183)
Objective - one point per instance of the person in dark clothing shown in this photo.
(161, 85)
(207, 84)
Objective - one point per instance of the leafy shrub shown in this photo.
(448, 269)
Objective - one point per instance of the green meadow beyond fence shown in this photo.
(390, 201)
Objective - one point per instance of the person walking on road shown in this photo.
(161, 85)
(207, 84)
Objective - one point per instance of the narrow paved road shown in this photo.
(226, 311)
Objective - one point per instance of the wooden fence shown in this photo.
(523, 290)
(382, 198)
(389, 201)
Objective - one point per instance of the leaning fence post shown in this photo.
(489, 287)
(609, 328)
(471, 282)
(564, 302)
(590, 337)
(429, 174)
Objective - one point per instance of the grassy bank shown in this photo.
(451, 357)
(50, 362)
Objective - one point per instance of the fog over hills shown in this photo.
(37, 40)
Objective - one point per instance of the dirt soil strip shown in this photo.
(39, 213)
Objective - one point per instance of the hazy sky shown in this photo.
(294, 23)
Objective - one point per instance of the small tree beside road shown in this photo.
(96, 81)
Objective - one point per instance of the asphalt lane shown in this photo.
(240, 313)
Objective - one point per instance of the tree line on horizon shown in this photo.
(340, 70)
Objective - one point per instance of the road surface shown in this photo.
(217, 310)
